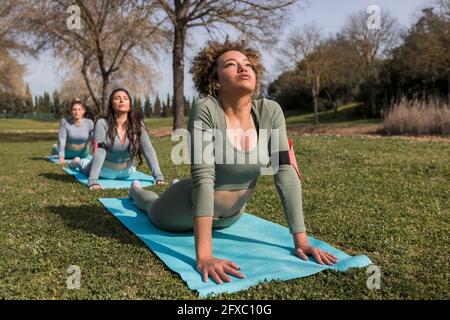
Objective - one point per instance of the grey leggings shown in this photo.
(173, 210)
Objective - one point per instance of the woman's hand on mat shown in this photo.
(321, 256)
(160, 182)
(218, 269)
(61, 160)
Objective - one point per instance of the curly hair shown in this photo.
(204, 66)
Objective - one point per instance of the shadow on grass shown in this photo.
(27, 137)
(384, 132)
(94, 220)
(62, 177)
(38, 159)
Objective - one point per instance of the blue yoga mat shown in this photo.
(145, 179)
(55, 159)
(263, 250)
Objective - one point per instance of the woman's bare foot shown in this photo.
(136, 184)
(75, 163)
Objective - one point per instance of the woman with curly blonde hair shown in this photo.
(229, 121)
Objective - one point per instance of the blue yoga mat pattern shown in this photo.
(145, 179)
(263, 250)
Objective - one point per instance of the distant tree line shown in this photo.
(160, 108)
(54, 105)
(377, 68)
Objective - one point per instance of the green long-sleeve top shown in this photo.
(211, 152)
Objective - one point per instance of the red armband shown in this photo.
(292, 160)
(94, 146)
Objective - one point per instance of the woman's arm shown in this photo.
(150, 155)
(207, 265)
(286, 179)
(62, 138)
(203, 238)
(200, 127)
(91, 139)
(289, 189)
(100, 154)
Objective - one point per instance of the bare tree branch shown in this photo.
(114, 33)
(259, 20)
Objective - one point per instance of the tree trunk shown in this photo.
(316, 104)
(333, 102)
(91, 91)
(448, 89)
(178, 75)
(104, 100)
(373, 106)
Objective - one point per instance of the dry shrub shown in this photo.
(418, 117)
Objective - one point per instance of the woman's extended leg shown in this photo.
(172, 210)
(84, 165)
(143, 199)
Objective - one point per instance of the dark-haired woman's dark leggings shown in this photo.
(173, 210)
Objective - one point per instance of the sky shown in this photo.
(329, 15)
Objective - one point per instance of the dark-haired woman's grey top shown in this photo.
(117, 154)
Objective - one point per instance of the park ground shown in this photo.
(363, 192)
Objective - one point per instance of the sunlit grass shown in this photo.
(385, 198)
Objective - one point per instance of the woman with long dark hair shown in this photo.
(121, 138)
(74, 134)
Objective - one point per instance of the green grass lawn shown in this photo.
(385, 198)
(36, 125)
(161, 122)
(27, 124)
